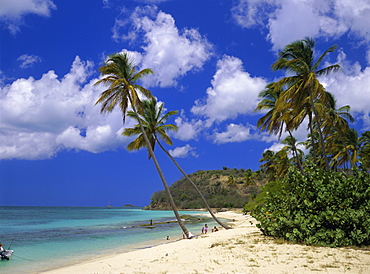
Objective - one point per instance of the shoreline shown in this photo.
(239, 250)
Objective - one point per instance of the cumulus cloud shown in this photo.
(183, 152)
(28, 61)
(351, 87)
(187, 129)
(327, 18)
(43, 116)
(234, 92)
(169, 52)
(234, 134)
(13, 11)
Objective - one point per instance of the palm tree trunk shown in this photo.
(322, 142)
(320, 132)
(312, 138)
(167, 189)
(344, 145)
(194, 185)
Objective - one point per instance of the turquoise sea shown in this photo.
(50, 237)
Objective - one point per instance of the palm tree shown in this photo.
(291, 146)
(249, 177)
(121, 77)
(364, 141)
(273, 120)
(268, 167)
(303, 89)
(277, 117)
(335, 123)
(282, 163)
(153, 121)
(351, 144)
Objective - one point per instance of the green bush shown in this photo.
(317, 208)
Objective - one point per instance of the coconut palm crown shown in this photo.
(154, 123)
(121, 75)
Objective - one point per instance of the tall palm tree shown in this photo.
(277, 118)
(272, 121)
(121, 76)
(154, 122)
(303, 88)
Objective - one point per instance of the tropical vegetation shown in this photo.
(321, 197)
(313, 191)
(223, 188)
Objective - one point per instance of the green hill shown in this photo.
(221, 188)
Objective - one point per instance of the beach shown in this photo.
(242, 249)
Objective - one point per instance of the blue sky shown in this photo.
(211, 58)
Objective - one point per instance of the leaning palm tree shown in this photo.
(303, 89)
(121, 76)
(154, 124)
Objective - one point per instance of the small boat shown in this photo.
(6, 254)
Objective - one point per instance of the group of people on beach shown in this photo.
(205, 229)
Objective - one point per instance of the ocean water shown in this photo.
(50, 237)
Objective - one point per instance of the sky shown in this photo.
(210, 58)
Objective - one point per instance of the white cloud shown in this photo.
(187, 130)
(183, 152)
(234, 134)
(13, 11)
(247, 13)
(41, 117)
(28, 61)
(312, 18)
(234, 92)
(170, 53)
(275, 147)
(351, 87)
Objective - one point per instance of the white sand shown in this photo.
(239, 250)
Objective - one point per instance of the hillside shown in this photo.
(221, 188)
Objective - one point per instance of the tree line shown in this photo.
(320, 197)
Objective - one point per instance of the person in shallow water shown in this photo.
(205, 229)
(2, 253)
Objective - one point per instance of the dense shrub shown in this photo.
(318, 208)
